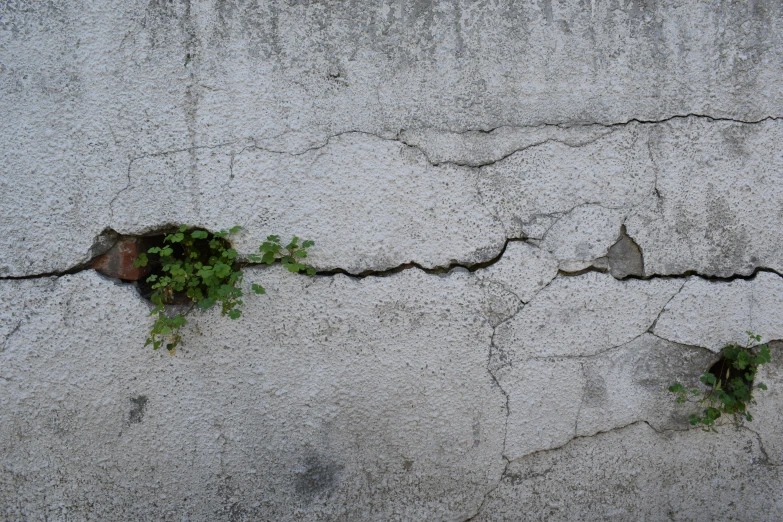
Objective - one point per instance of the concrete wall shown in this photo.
(530, 218)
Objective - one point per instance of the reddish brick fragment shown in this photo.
(118, 261)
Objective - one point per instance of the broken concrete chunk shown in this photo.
(583, 315)
(713, 314)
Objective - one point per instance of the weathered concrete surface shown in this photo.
(332, 398)
(635, 473)
(717, 209)
(637, 138)
(370, 203)
(629, 384)
(93, 93)
(712, 314)
(584, 315)
(767, 413)
(524, 270)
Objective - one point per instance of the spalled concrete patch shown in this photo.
(583, 235)
(625, 258)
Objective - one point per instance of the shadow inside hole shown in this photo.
(202, 251)
(725, 372)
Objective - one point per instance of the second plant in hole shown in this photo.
(200, 268)
(729, 384)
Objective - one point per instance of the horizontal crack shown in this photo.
(398, 138)
(688, 273)
(406, 266)
(577, 124)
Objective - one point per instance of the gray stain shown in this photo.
(136, 414)
(319, 476)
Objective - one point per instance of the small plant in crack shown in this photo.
(729, 384)
(200, 269)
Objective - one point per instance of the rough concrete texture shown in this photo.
(636, 473)
(333, 398)
(549, 211)
(712, 314)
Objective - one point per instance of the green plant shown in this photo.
(200, 269)
(729, 384)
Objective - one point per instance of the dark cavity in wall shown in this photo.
(725, 372)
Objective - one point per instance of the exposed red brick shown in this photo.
(118, 261)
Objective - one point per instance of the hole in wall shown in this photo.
(118, 260)
(725, 372)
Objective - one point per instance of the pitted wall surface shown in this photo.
(530, 219)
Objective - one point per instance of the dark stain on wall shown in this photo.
(136, 414)
(319, 476)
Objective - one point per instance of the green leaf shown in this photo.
(258, 289)
(308, 244)
(310, 271)
(206, 303)
(141, 260)
(676, 388)
(199, 234)
(234, 230)
(761, 386)
(234, 314)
